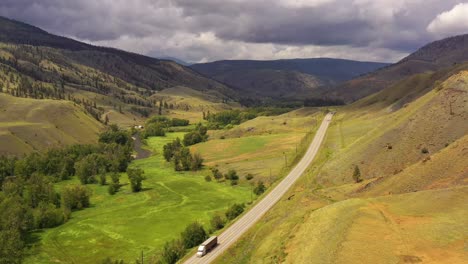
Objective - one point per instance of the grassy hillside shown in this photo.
(434, 56)
(409, 142)
(112, 86)
(286, 79)
(383, 141)
(265, 147)
(28, 125)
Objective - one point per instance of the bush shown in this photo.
(115, 135)
(136, 177)
(217, 222)
(260, 188)
(197, 162)
(234, 211)
(231, 175)
(47, 215)
(102, 178)
(193, 235)
(357, 174)
(113, 189)
(234, 182)
(208, 178)
(154, 130)
(75, 197)
(171, 148)
(179, 122)
(196, 136)
(216, 174)
(424, 150)
(172, 251)
(249, 177)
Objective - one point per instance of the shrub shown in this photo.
(196, 136)
(216, 174)
(217, 222)
(47, 215)
(172, 251)
(260, 188)
(102, 178)
(114, 187)
(193, 235)
(234, 182)
(231, 175)
(136, 177)
(357, 174)
(234, 211)
(249, 177)
(154, 130)
(424, 150)
(179, 122)
(197, 162)
(75, 197)
(208, 178)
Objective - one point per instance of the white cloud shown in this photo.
(201, 30)
(452, 22)
(206, 47)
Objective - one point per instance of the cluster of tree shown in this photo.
(193, 235)
(113, 154)
(196, 136)
(231, 175)
(181, 157)
(168, 122)
(154, 130)
(236, 117)
(30, 202)
(156, 126)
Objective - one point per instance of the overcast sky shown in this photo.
(207, 30)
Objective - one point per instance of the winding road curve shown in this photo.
(235, 231)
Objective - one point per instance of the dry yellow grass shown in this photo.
(262, 146)
(27, 125)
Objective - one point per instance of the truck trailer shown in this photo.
(206, 246)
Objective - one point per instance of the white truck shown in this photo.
(206, 246)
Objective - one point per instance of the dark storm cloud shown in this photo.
(212, 29)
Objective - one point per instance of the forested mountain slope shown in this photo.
(286, 79)
(109, 85)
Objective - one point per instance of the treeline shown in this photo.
(157, 126)
(292, 103)
(316, 102)
(235, 117)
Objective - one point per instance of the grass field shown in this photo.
(123, 225)
(264, 146)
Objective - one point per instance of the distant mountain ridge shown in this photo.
(267, 78)
(431, 57)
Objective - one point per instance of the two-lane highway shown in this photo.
(231, 234)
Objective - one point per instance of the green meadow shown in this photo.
(126, 224)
